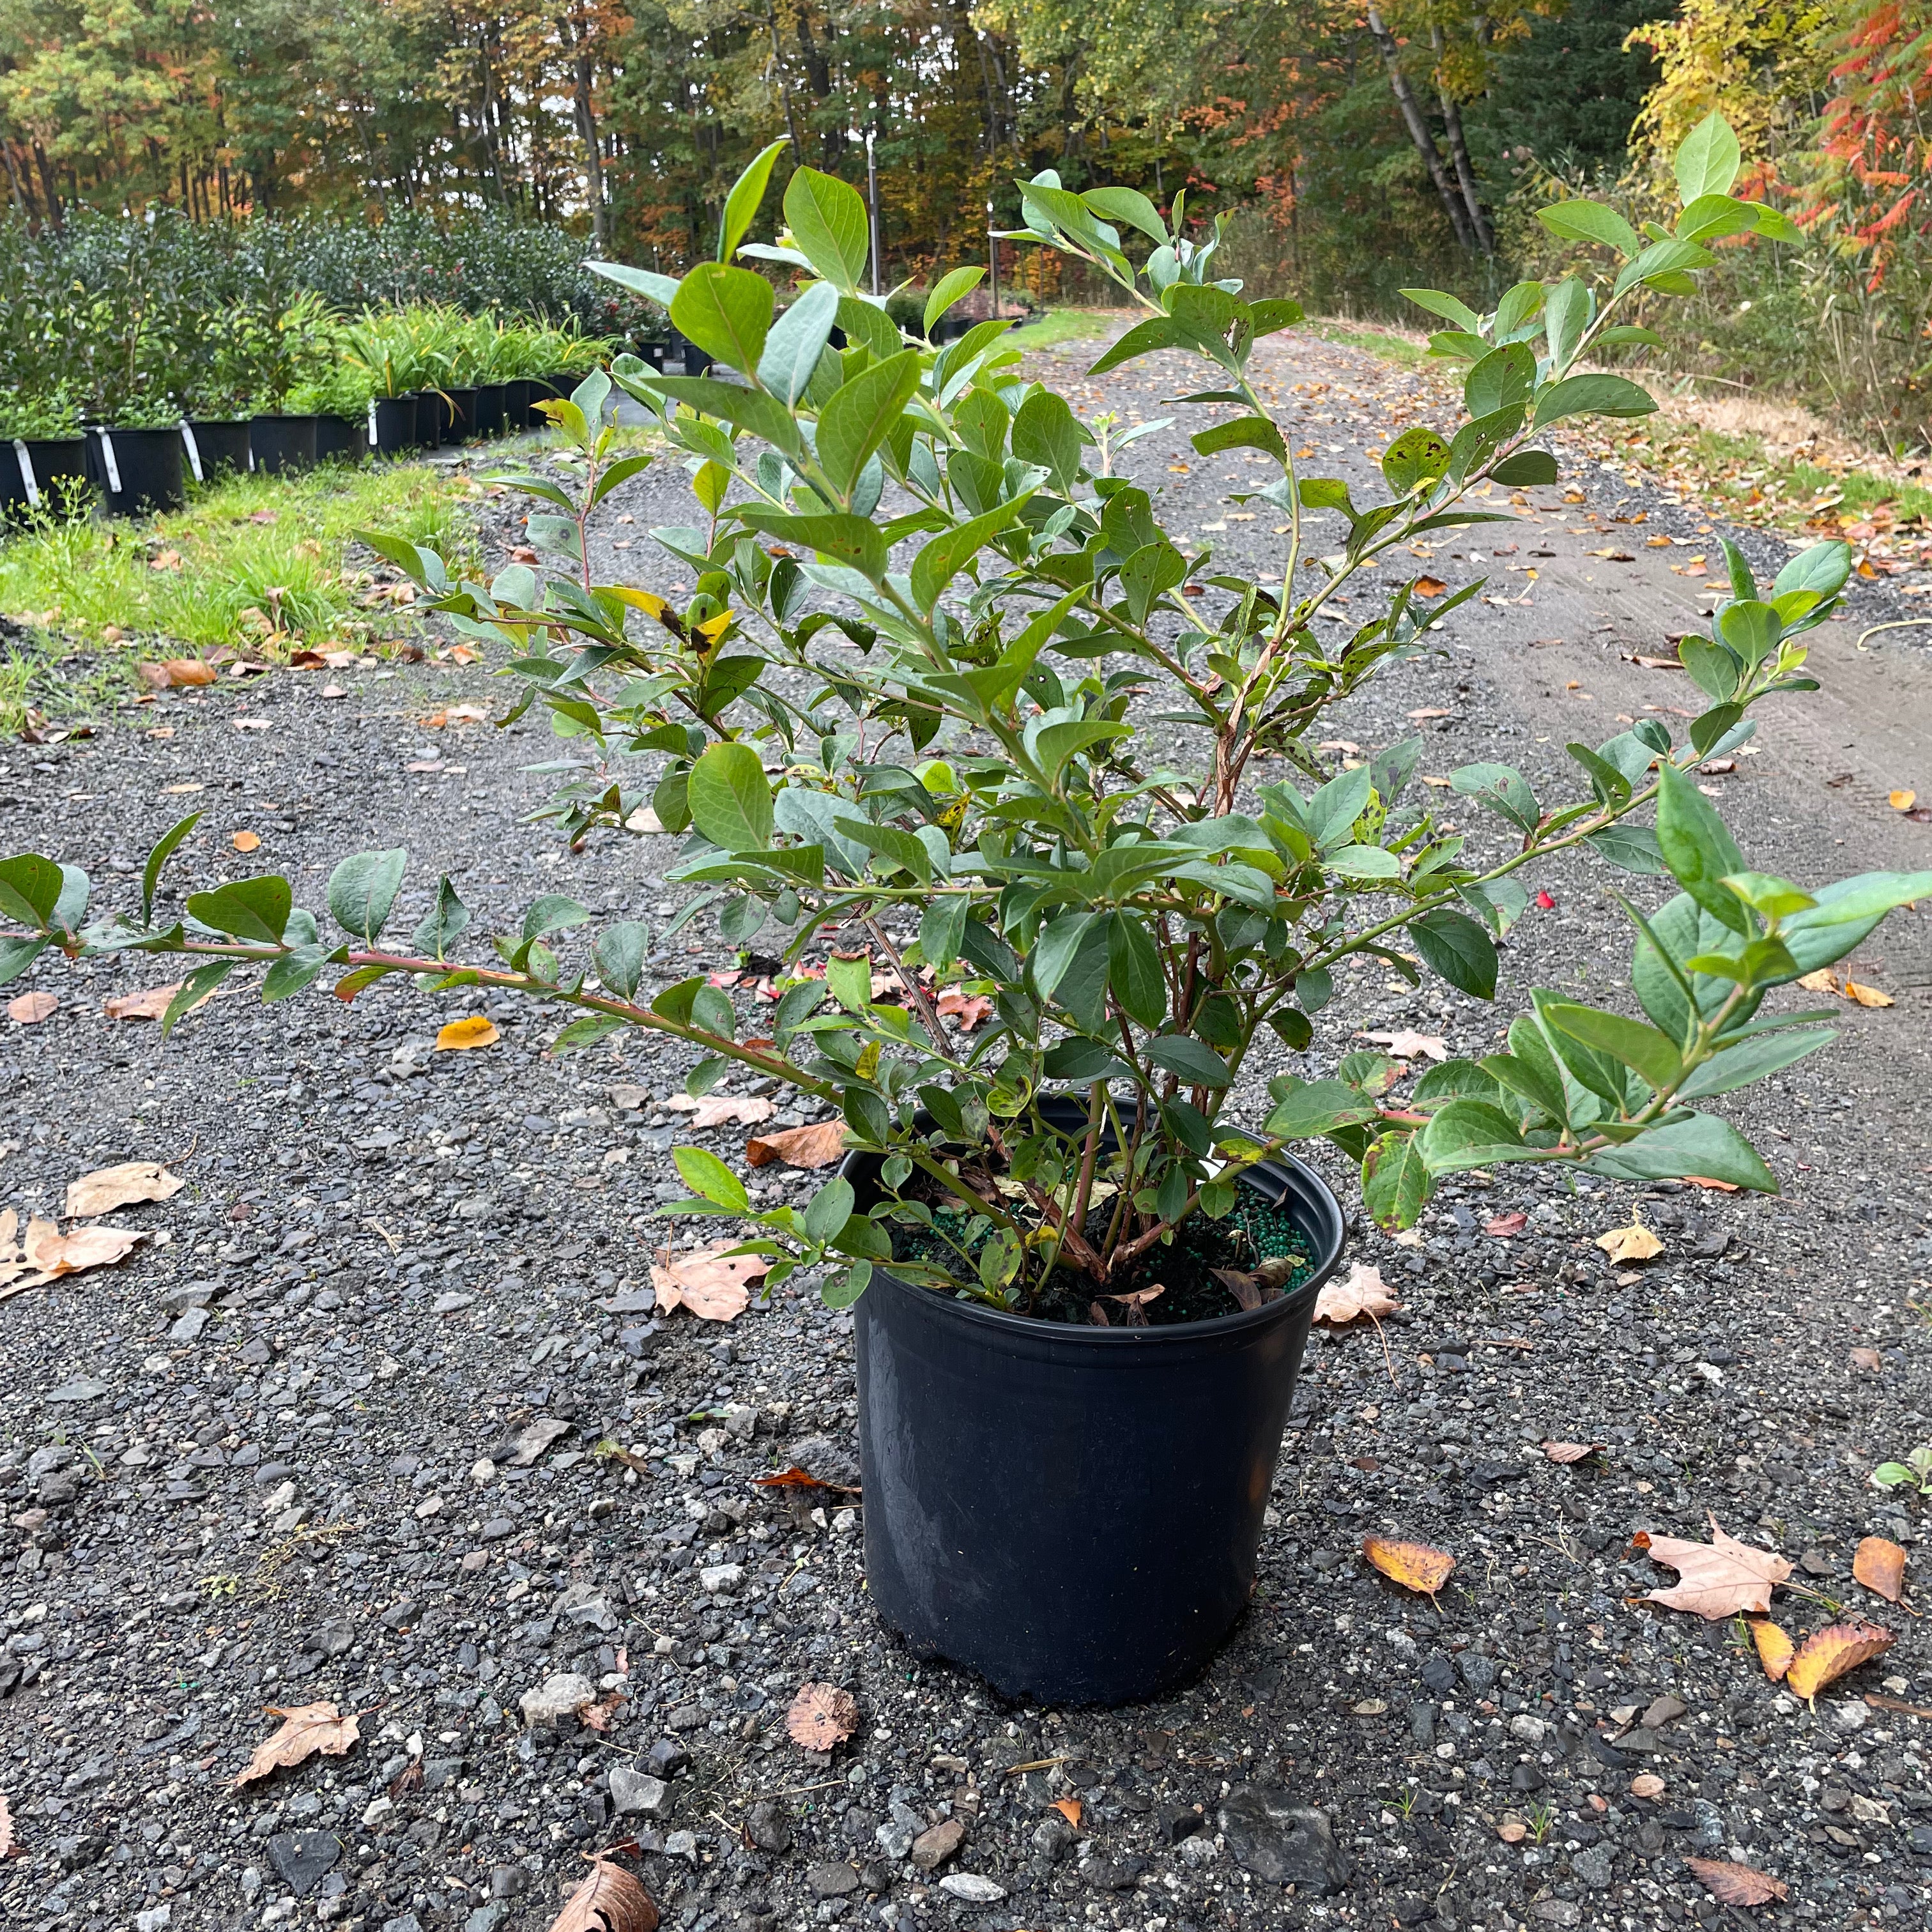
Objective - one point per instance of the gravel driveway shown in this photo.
(335, 1434)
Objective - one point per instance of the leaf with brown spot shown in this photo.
(822, 1717)
(1828, 1654)
(108, 1188)
(1570, 1452)
(1069, 1808)
(1721, 1578)
(1880, 1565)
(709, 1281)
(30, 1009)
(1731, 1884)
(609, 1900)
(1364, 1293)
(1415, 1566)
(1775, 1649)
(306, 1729)
(461, 1036)
(1633, 1243)
(817, 1144)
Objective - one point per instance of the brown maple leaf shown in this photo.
(306, 1729)
(1364, 1293)
(108, 1188)
(709, 1281)
(821, 1717)
(609, 1900)
(1719, 1579)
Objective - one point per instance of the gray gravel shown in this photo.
(333, 1435)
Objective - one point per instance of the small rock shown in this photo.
(1557, 1911)
(557, 1697)
(1528, 1729)
(188, 1325)
(819, 1456)
(667, 1757)
(769, 1824)
(721, 1576)
(187, 1295)
(1479, 1673)
(1177, 1821)
(636, 1794)
(1286, 1843)
(87, 1390)
(1422, 1724)
(1197, 1852)
(831, 1881)
(303, 1858)
(155, 1919)
(1593, 1868)
(971, 1888)
(486, 1918)
(450, 1301)
(684, 1845)
(1112, 1872)
(931, 1848)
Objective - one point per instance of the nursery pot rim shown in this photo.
(860, 1167)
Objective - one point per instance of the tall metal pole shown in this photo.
(993, 254)
(872, 205)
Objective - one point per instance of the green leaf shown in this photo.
(827, 219)
(1134, 971)
(943, 559)
(646, 282)
(1700, 1144)
(939, 928)
(1566, 315)
(1596, 395)
(255, 909)
(1447, 307)
(952, 287)
(1197, 1065)
(849, 981)
(861, 413)
(829, 1210)
(707, 1176)
(30, 889)
(1502, 788)
(1822, 569)
(1650, 1052)
(1504, 379)
(1395, 1181)
(1249, 433)
(164, 849)
(727, 312)
(1452, 944)
(1319, 1107)
(552, 912)
(193, 990)
(1416, 457)
(741, 204)
(1527, 469)
(733, 403)
(1632, 848)
(619, 952)
(1046, 432)
(1696, 846)
(1054, 950)
(1707, 162)
(362, 889)
(1591, 221)
(17, 954)
(1149, 574)
(1130, 205)
(846, 538)
(731, 801)
(1868, 895)
(1363, 862)
(1471, 1133)
(1754, 1059)
(293, 971)
(1158, 331)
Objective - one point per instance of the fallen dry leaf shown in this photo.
(609, 1899)
(1718, 1579)
(1415, 1566)
(1866, 1358)
(1633, 1243)
(246, 841)
(1646, 1784)
(6, 1829)
(1429, 586)
(822, 1717)
(1902, 801)
(1507, 1227)
(152, 1004)
(1407, 1046)
(306, 1729)
(817, 1144)
(796, 1478)
(30, 1009)
(48, 1254)
(721, 1110)
(709, 1281)
(108, 1188)
(966, 1009)
(1825, 981)
(1069, 1808)
(171, 672)
(1880, 1565)
(459, 1035)
(1827, 1654)
(1737, 1885)
(1866, 996)
(1570, 1452)
(1775, 1649)
(1364, 1293)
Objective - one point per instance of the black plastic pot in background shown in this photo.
(282, 442)
(682, 350)
(517, 405)
(429, 419)
(489, 411)
(220, 446)
(337, 438)
(395, 420)
(1074, 1512)
(138, 471)
(57, 465)
(459, 414)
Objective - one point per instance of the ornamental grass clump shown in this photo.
(932, 626)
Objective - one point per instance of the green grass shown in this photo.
(259, 562)
(1063, 325)
(1376, 341)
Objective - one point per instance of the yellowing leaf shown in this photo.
(1775, 1649)
(1904, 801)
(712, 629)
(1633, 1243)
(1415, 1566)
(1823, 981)
(1866, 996)
(459, 1035)
(1827, 1656)
(245, 842)
(1880, 1565)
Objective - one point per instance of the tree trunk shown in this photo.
(583, 63)
(48, 187)
(1459, 152)
(1418, 130)
(784, 87)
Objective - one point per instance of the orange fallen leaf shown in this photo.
(821, 1717)
(1775, 1649)
(609, 1900)
(1646, 1784)
(1827, 1654)
(1737, 1885)
(818, 1144)
(1415, 1566)
(709, 1281)
(1866, 996)
(1069, 1808)
(796, 1478)
(1364, 1293)
(1570, 1452)
(1880, 1565)
(1903, 801)
(108, 1188)
(152, 1004)
(1429, 586)
(30, 1009)
(306, 1729)
(173, 672)
(720, 1110)
(1825, 981)
(459, 1035)
(246, 841)
(1633, 1243)
(1719, 1579)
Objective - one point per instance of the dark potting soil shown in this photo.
(1254, 1231)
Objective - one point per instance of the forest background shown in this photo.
(1354, 148)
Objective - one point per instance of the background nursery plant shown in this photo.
(929, 603)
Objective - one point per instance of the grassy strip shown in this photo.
(1376, 341)
(1065, 325)
(257, 562)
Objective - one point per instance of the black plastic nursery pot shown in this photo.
(55, 463)
(138, 471)
(220, 446)
(488, 416)
(282, 442)
(395, 420)
(459, 414)
(517, 405)
(338, 437)
(1074, 1512)
(429, 419)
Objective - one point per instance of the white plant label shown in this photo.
(194, 451)
(108, 462)
(27, 482)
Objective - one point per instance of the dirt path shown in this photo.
(273, 1458)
